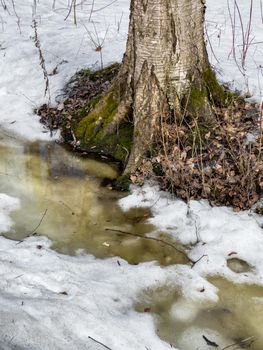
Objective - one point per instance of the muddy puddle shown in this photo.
(64, 193)
(62, 197)
(234, 322)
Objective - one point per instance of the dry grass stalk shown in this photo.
(41, 60)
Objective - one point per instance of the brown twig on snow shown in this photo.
(41, 59)
(98, 342)
(72, 7)
(98, 44)
(92, 8)
(246, 39)
(17, 17)
(152, 239)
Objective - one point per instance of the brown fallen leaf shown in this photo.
(63, 293)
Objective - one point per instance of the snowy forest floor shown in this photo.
(50, 300)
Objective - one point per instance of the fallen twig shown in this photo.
(34, 231)
(18, 18)
(195, 262)
(152, 239)
(72, 7)
(252, 339)
(40, 222)
(92, 8)
(98, 342)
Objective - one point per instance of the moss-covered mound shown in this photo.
(94, 133)
(86, 113)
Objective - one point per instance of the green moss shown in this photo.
(94, 101)
(104, 73)
(212, 92)
(92, 129)
(197, 99)
(84, 111)
(87, 72)
(122, 183)
(216, 93)
(101, 115)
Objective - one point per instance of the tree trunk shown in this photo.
(165, 74)
(163, 67)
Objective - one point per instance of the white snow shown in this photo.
(7, 204)
(99, 302)
(183, 312)
(99, 295)
(217, 233)
(64, 45)
(248, 79)
(192, 336)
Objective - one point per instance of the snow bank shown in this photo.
(53, 301)
(7, 204)
(218, 233)
(66, 48)
(248, 79)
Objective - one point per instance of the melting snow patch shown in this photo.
(216, 233)
(53, 301)
(7, 204)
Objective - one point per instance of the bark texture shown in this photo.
(165, 60)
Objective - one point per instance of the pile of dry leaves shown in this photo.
(220, 161)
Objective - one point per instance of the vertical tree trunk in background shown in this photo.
(165, 61)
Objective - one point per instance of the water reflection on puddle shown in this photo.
(237, 316)
(47, 177)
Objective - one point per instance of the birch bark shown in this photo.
(165, 59)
